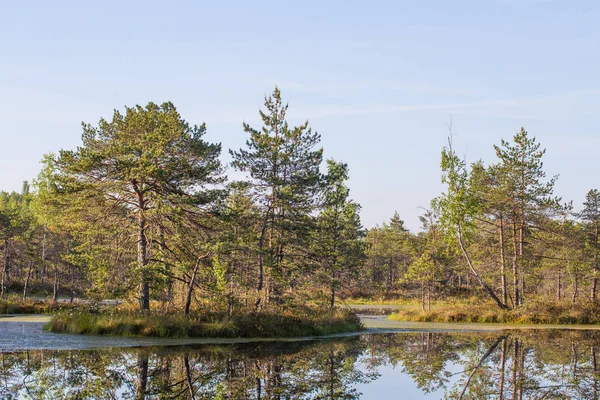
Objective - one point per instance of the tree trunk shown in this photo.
(575, 286)
(522, 274)
(515, 266)
(595, 277)
(502, 261)
(423, 296)
(485, 356)
(55, 284)
(258, 389)
(515, 362)
(142, 258)
(502, 366)
(44, 239)
(188, 377)
(521, 371)
(574, 359)
(26, 285)
(261, 245)
(161, 249)
(332, 299)
(429, 296)
(190, 291)
(142, 377)
(594, 373)
(474, 271)
(4, 269)
(3, 283)
(72, 281)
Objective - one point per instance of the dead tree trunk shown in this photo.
(190, 289)
(475, 273)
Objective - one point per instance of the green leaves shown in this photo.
(220, 270)
(338, 243)
(284, 179)
(141, 172)
(149, 150)
(458, 206)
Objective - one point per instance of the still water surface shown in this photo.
(548, 364)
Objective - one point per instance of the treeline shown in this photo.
(143, 211)
(497, 232)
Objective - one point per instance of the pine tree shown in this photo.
(590, 215)
(529, 196)
(338, 241)
(283, 166)
(138, 166)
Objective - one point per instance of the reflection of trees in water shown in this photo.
(532, 365)
(472, 366)
(328, 369)
(515, 365)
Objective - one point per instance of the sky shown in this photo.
(379, 80)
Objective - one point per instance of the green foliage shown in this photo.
(141, 211)
(337, 243)
(283, 164)
(458, 206)
(220, 271)
(522, 167)
(390, 251)
(139, 170)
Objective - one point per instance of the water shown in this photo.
(534, 364)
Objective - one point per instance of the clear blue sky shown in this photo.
(378, 80)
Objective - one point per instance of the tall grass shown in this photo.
(535, 311)
(18, 306)
(304, 321)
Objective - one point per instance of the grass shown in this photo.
(296, 322)
(535, 311)
(382, 301)
(18, 306)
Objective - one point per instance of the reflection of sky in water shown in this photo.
(562, 364)
(393, 381)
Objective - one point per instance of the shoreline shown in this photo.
(372, 324)
(38, 339)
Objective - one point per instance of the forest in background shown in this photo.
(142, 211)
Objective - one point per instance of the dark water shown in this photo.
(512, 365)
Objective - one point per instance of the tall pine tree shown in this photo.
(140, 164)
(283, 167)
